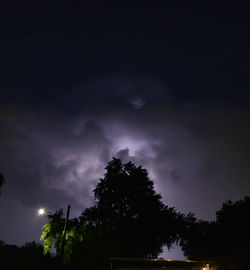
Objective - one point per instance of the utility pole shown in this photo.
(64, 231)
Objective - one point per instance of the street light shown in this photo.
(41, 211)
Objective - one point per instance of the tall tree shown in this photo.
(130, 214)
(127, 220)
(197, 238)
(233, 225)
(221, 240)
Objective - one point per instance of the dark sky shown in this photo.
(167, 88)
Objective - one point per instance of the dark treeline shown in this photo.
(129, 219)
(29, 256)
(225, 240)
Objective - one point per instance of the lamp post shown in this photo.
(64, 231)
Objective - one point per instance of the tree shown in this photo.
(233, 226)
(29, 256)
(52, 235)
(129, 214)
(222, 240)
(52, 232)
(197, 238)
(127, 220)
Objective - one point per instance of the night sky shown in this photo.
(167, 88)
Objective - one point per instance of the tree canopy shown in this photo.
(136, 221)
(221, 239)
(127, 220)
(28, 256)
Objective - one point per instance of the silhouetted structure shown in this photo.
(143, 264)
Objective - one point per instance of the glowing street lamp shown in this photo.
(41, 211)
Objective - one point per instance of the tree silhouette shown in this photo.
(225, 239)
(29, 256)
(197, 238)
(233, 225)
(129, 213)
(127, 220)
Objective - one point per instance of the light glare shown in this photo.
(41, 211)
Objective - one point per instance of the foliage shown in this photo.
(129, 215)
(128, 220)
(52, 232)
(29, 256)
(221, 240)
(233, 225)
(197, 238)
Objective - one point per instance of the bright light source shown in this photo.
(41, 211)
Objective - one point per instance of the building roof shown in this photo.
(128, 262)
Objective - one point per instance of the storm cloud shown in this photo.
(197, 154)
